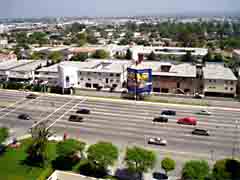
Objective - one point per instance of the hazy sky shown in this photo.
(36, 8)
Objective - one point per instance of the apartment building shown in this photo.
(93, 74)
(219, 80)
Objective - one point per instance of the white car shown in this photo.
(204, 112)
(157, 141)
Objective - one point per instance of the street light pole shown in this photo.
(235, 142)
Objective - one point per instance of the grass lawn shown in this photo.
(12, 167)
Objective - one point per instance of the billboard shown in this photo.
(139, 80)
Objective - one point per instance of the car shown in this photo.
(162, 118)
(157, 141)
(201, 132)
(2, 148)
(75, 118)
(198, 96)
(159, 176)
(24, 117)
(83, 111)
(204, 112)
(187, 121)
(169, 113)
(31, 96)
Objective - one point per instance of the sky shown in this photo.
(45, 8)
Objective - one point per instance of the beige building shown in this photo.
(219, 80)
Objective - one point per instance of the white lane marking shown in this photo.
(17, 102)
(66, 113)
(19, 107)
(52, 113)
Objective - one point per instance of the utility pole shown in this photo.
(235, 142)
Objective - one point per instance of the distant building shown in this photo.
(3, 42)
(219, 80)
(7, 57)
(160, 50)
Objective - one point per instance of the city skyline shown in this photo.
(28, 8)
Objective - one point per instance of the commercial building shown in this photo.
(219, 80)
(173, 78)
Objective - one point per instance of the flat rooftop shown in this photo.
(8, 65)
(218, 71)
(31, 66)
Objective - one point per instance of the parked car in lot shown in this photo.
(24, 117)
(83, 111)
(201, 132)
(162, 118)
(187, 121)
(31, 96)
(168, 112)
(157, 141)
(204, 112)
(75, 118)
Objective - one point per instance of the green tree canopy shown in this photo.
(80, 57)
(4, 133)
(139, 160)
(195, 169)
(152, 56)
(226, 169)
(56, 56)
(101, 54)
(168, 164)
(37, 55)
(187, 57)
(128, 54)
(69, 147)
(102, 154)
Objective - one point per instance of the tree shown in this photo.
(4, 133)
(70, 147)
(100, 54)
(152, 56)
(37, 150)
(187, 57)
(226, 169)
(56, 56)
(102, 155)
(195, 169)
(139, 160)
(37, 55)
(168, 164)
(80, 57)
(208, 57)
(128, 54)
(218, 58)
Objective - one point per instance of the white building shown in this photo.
(3, 43)
(160, 50)
(219, 80)
(91, 74)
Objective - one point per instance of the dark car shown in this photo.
(31, 96)
(201, 132)
(198, 96)
(83, 111)
(159, 176)
(2, 149)
(24, 117)
(160, 119)
(169, 113)
(75, 118)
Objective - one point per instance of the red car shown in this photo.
(188, 121)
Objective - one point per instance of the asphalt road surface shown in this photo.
(127, 123)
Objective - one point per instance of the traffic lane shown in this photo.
(131, 139)
(216, 119)
(157, 132)
(157, 110)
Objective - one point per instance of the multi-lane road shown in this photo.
(127, 123)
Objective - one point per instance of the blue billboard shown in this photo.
(139, 81)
